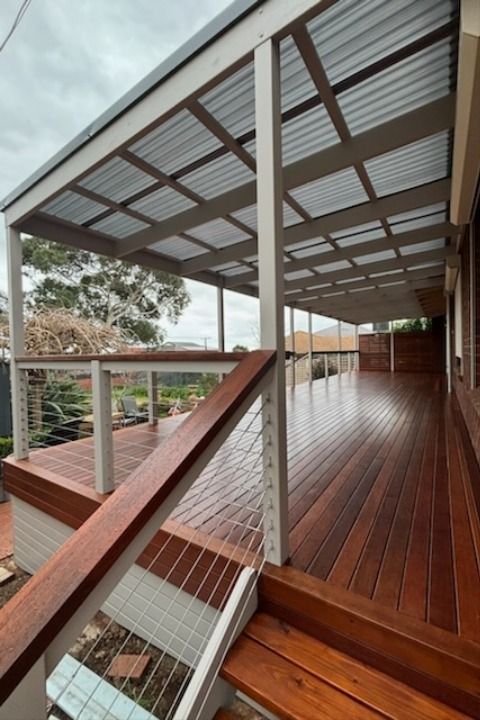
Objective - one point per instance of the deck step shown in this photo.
(298, 677)
(429, 659)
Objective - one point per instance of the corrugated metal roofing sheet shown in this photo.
(232, 102)
(331, 267)
(331, 193)
(412, 165)
(73, 207)
(248, 216)
(422, 247)
(409, 84)
(218, 233)
(162, 204)
(117, 180)
(119, 225)
(420, 217)
(298, 274)
(297, 84)
(359, 234)
(218, 176)
(375, 257)
(307, 134)
(353, 34)
(178, 248)
(176, 143)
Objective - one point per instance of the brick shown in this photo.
(132, 666)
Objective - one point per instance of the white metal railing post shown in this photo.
(102, 427)
(357, 348)
(292, 334)
(339, 354)
(448, 344)
(18, 378)
(271, 292)
(392, 348)
(310, 349)
(29, 699)
(349, 362)
(152, 389)
(325, 359)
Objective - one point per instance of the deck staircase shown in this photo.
(313, 651)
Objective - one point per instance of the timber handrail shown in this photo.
(164, 356)
(39, 611)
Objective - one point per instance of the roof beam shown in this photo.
(374, 267)
(185, 75)
(422, 196)
(415, 125)
(409, 276)
(367, 295)
(392, 242)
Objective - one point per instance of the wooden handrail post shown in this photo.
(271, 294)
(102, 427)
(152, 383)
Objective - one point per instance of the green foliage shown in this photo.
(175, 391)
(63, 400)
(112, 291)
(6, 446)
(207, 383)
(417, 325)
(240, 348)
(318, 368)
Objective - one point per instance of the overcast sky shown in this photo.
(67, 62)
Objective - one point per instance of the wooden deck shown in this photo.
(384, 493)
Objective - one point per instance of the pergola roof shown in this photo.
(168, 179)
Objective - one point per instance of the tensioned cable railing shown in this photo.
(186, 650)
(171, 594)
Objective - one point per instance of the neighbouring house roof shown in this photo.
(167, 177)
(319, 343)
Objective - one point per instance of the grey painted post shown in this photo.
(271, 293)
(292, 334)
(356, 358)
(152, 390)
(102, 427)
(18, 378)
(339, 357)
(310, 349)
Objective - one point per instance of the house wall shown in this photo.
(466, 375)
(156, 610)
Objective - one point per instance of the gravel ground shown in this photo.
(98, 654)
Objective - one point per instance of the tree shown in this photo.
(417, 325)
(111, 291)
(240, 348)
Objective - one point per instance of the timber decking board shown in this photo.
(359, 682)
(383, 492)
